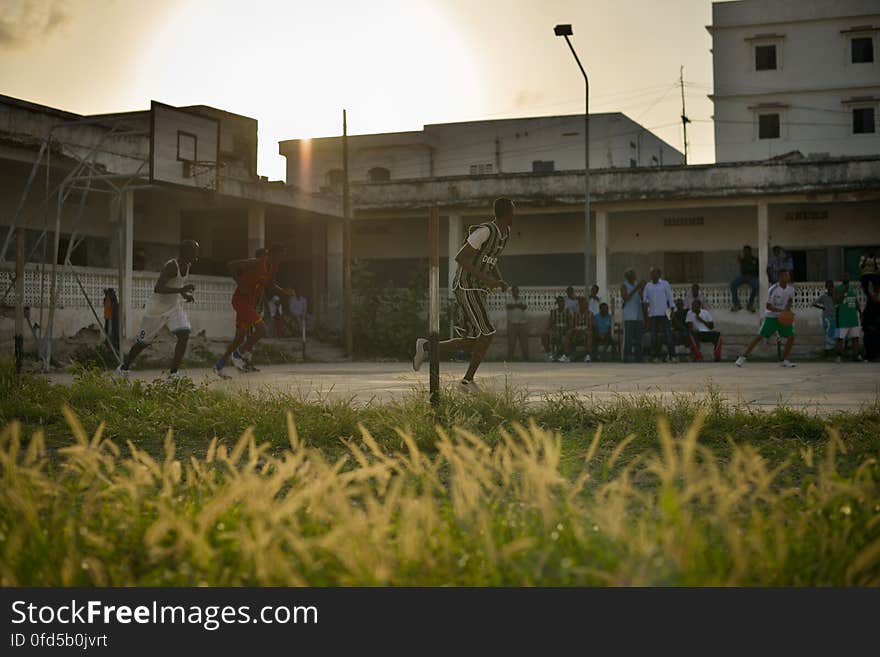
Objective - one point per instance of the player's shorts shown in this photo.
(246, 314)
(844, 332)
(475, 320)
(176, 321)
(771, 325)
(580, 334)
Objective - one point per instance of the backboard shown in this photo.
(184, 147)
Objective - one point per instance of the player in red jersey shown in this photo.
(253, 277)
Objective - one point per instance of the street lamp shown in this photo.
(566, 31)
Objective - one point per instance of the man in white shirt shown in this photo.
(595, 301)
(571, 301)
(780, 298)
(702, 329)
(658, 300)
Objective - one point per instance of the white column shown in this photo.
(455, 240)
(256, 229)
(602, 254)
(763, 251)
(127, 302)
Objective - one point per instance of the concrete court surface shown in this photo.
(816, 386)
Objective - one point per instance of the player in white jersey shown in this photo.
(164, 308)
(780, 297)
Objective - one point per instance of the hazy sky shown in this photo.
(394, 64)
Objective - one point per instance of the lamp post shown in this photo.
(566, 31)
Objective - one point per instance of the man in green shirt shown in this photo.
(846, 300)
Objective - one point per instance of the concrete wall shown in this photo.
(814, 77)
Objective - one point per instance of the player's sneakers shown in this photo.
(587, 359)
(218, 369)
(551, 358)
(469, 387)
(239, 361)
(740, 361)
(421, 353)
(176, 376)
(564, 359)
(787, 363)
(121, 373)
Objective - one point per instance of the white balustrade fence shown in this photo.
(212, 292)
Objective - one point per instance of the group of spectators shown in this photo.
(779, 260)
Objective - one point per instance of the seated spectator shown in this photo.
(603, 340)
(694, 295)
(571, 302)
(680, 332)
(555, 336)
(581, 330)
(748, 274)
(829, 323)
(869, 270)
(702, 329)
(594, 301)
(778, 261)
(299, 309)
(276, 313)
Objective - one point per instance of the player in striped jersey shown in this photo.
(476, 276)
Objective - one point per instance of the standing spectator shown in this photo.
(517, 325)
(869, 270)
(299, 306)
(594, 301)
(602, 332)
(633, 316)
(571, 302)
(276, 313)
(780, 298)
(680, 332)
(778, 261)
(829, 325)
(658, 298)
(555, 337)
(846, 298)
(702, 329)
(694, 295)
(582, 330)
(139, 260)
(748, 274)
(871, 323)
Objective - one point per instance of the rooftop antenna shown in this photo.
(684, 119)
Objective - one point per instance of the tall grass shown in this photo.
(458, 509)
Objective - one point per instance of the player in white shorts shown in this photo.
(164, 308)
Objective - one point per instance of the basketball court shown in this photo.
(819, 387)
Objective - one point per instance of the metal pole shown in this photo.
(587, 240)
(19, 297)
(434, 301)
(346, 243)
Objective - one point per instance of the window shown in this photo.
(768, 126)
(863, 120)
(187, 146)
(765, 58)
(632, 163)
(379, 174)
(480, 169)
(862, 49)
(335, 177)
(683, 267)
(543, 166)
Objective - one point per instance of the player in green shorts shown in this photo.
(780, 298)
(846, 300)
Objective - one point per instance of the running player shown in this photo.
(253, 277)
(780, 297)
(164, 309)
(477, 274)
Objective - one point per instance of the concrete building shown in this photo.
(124, 247)
(795, 75)
(477, 148)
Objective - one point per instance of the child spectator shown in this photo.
(827, 305)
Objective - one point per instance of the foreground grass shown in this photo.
(161, 484)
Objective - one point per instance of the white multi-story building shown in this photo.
(540, 145)
(795, 75)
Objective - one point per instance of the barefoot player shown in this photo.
(164, 308)
(476, 276)
(253, 277)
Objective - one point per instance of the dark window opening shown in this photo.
(379, 174)
(632, 163)
(863, 120)
(862, 50)
(768, 126)
(684, 267)
(765, 58)
(543, 166)
(79, 257)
